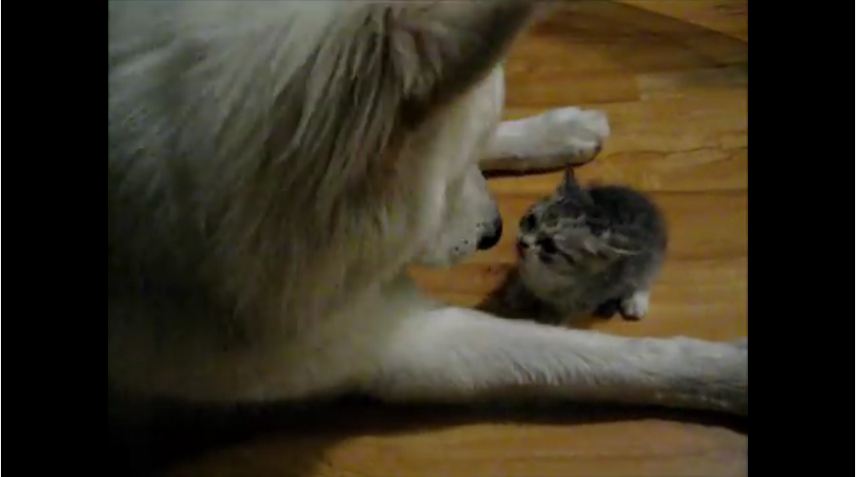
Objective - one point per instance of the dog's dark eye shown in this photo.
(548, 245)
(528, 221)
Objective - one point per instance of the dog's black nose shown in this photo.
(488, 241)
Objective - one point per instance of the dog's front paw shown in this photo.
(740, 400)
(732, 380)
(741, 343)
(717, 374)
(574, 134)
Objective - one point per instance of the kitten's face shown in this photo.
(561, 236)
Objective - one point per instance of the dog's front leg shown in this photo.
(547, 141)
(460, 355)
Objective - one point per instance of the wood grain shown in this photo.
(672, 76)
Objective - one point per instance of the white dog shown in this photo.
(275, 166)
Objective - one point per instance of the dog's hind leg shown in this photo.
(460, 355)
(547, 141)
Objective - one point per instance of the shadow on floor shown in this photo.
(169, 434)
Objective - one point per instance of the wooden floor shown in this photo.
(672, 76)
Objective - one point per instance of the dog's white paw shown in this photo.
(573, 134)
(636, 306)
(735, 382)
(720, 373)
(739, 401)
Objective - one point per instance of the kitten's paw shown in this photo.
(573, 134)
(636, 305)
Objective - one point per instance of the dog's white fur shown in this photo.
(273, 169)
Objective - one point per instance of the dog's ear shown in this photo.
(378, 66)
(438, 49)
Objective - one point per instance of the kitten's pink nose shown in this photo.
(521, 247)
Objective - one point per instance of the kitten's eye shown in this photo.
(550, 217)
(528, 221)
(547, 245)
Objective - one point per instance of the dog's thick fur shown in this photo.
(274, 167)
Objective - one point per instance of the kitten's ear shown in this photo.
(569, 190)
(569, 182)
(438, 49)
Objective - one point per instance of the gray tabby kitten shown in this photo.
(587, 251)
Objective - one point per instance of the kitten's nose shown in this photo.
(491, 239)
(521, 246)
